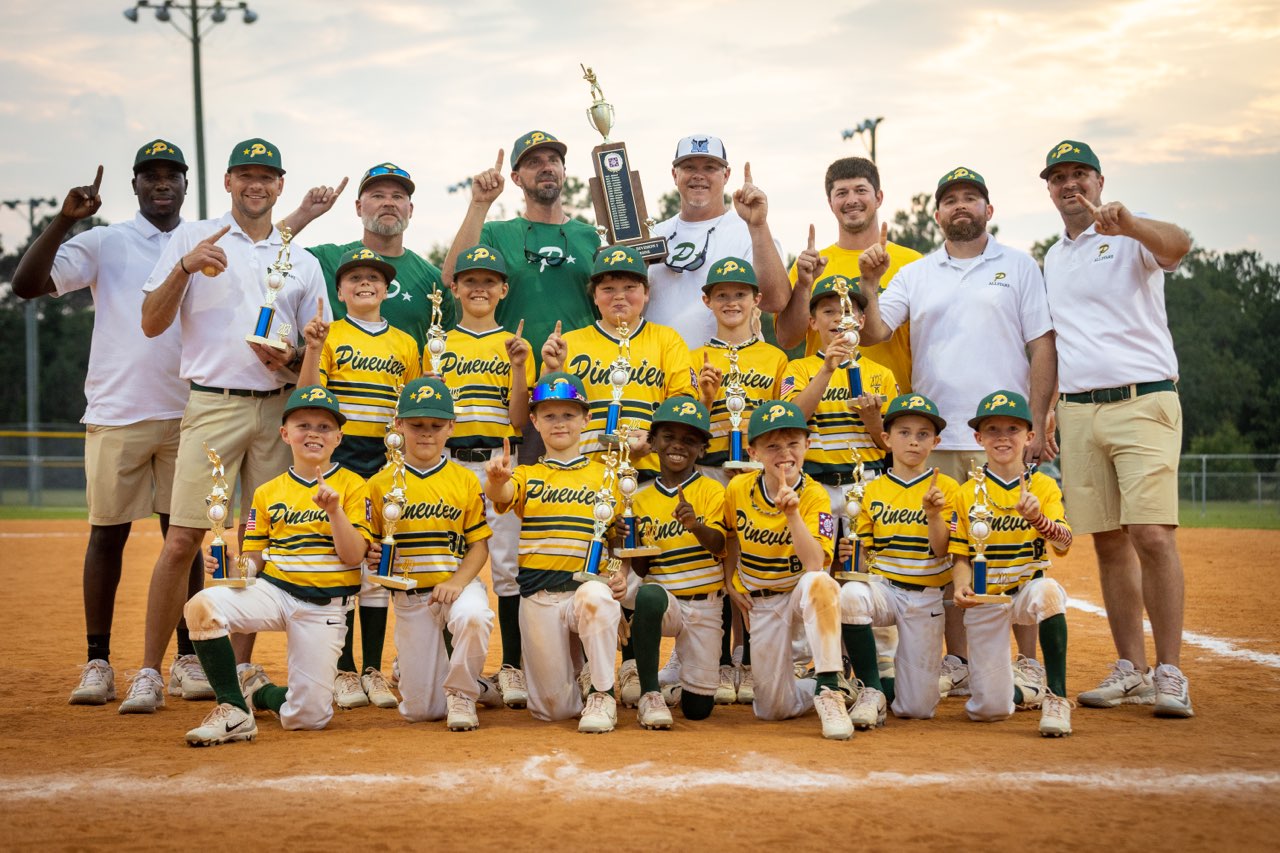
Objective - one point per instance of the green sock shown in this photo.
(373, 635)
(726, 636)
(886, 687)
(347, 660)
(219, 662)
(509, 629)
(1017, 695)
(1053, 644)
(646, 633)
(825, 679)
(860, 642)
(628, 651)
(270, 697)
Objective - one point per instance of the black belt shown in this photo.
(845, 478)
(913, 587)
(1124, 392)
(471, 454)
(241, 392)
(322, 602)
(766, 593)
(697, 596)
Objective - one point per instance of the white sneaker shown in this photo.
(670, 672)
(348, 692)
(377, 689)
(146, 693)
(187, 679)
(1029, 677)
(462, 712)
(394, 680)
(746, 685)
(1055, 715)
(1172, 697)
(671, 694)
(1124, 686)
(836, 724)
(954, 679)
(629, 684)
(727, 692)
(97, 684)
(490, 696)
(653, 711)
(870, 709)
(600, 714)
(225, 724)
(511, 683)
(253, 679)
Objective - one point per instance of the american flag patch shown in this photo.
(955, 521)
(788, 385)
(252, 522)
(826, 525)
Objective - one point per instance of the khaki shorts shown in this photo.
(128, 470)
(956, 463)
(1120, 461)
(245, 431)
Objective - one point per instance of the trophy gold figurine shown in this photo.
(628, 483)
(276, 275)
(615, 189)
(735, 401)
(602, 515)
(393, 504)
(436, 333)
(217, 512)
(853, 506)
(849, 327)
(980, 516)
(619, 376)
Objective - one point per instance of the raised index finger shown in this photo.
(342, 186)
(884, 233)
(216, 236)
(506, 449)
(97, 182)
(520, 328)
(319, 307)
(1088, 205)
(813, 237)
(319, 477)
(933, 483)
(746, 173)
(557, 327)
(497, 164)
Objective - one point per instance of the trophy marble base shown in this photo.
(863, 577)
(743, 465)
(639, 551)
(233, 583)
(993, 598)
(587, 577)
(394, 581)
(274, 343)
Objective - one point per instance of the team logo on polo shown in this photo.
(426, 392)
(1063, 149)
(689, 409)
(618, 256)
(257, 149)
(774, 413)
(999, 280)
(158, 147)
(1103, 251)
(479, 254)
(316, 394)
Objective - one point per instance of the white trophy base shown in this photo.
(587, 577)
(393, 581)
(233, 583)
(744, 465)
(993, 598)
(274, 343)
(863, 577)
(640, 551)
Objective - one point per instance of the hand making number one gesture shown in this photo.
(934, 501)
(83, 202)
(1112, 219)
(487, 186)
(809, 264)
(498, 470)
(749, 200)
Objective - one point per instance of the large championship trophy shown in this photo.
(980, 516)
(615, 189)
(853, 506)
(436, 333)
(602, 515)
(619, 376)
(634, 542)
(276, 275)
(393, 504)
(849, 328)
(735, 400)
(217, 512)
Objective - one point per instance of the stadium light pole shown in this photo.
(867, 126)
(202, 18)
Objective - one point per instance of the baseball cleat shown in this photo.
(600, 714)
(348, 692)
(462, 712)
(187, 679)
(954, 680)
(1124, 686)
(670, 672)
(252, 679)
(584, 681)
(225, 724)
(146, 693)
(1172, 697)
(671, 694)
(490, 696)
(653, 711)
(377, 689)
(746, 685)
(836, 724)
(511, 683)
(727, 692)
(870, 710)
(97, 684)
(394, 680)
(1029, 677)
(629, 684)
(1055, 715)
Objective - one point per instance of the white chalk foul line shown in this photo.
(561, 776)
(1217, 645)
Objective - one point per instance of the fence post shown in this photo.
(1204, 484)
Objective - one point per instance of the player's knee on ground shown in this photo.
(204, 621)
(855, 604)
(695, 706)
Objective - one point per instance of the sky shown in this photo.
(1179, 98)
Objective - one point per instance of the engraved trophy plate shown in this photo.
(277, 275)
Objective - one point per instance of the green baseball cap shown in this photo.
(560, 386)
(1070, 151)
(480, 257)
(1009, 404)
(313, 397)
(364, 257)
(387, 171)
(159, 151)
(775, 415)
(619, 259)
(960, 175)
(256, 152)
(535, 139)
(828, 287)
(914, 404)
(425, 397)
(683, 410)
(731, 271)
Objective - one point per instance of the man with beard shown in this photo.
(384, 203)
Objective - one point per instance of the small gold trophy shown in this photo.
(849, 327)
(602, 513)
(619, 376)
(436, 333)
(980, 516)
(735, 400)
(628, 483)
(276, 275)
(853, 506)
(393, 504)
(217, 513)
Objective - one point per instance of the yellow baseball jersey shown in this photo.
(768, 555)
(761, 366)
(556, 503)
(362, 369)
(477, 370)
(684, 566)
(660, 368)
(894, 353)
(443, 517)
(301, 558)
(1015, 550)
(893, 526)
(835, 424)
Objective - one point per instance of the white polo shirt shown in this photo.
(675, 298)
(131, 377)
(218, 313)
(971, 320)
(1106, 295)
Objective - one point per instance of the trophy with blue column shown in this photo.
(852, 506)
(628, 482)
(619, 377)
(602, 516)
(226, 573)
(277, 274)
(735, 402)
(393, 504)
(980, 516)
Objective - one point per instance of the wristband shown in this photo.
(182, 263)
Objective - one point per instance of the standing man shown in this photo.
(135, 398)
(211, 279)
(705, 231)
(855, 197)
(1121, 419)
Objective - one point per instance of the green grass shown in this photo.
(1243, 515)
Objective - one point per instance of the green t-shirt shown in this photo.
(407, 306)
(540, 293)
